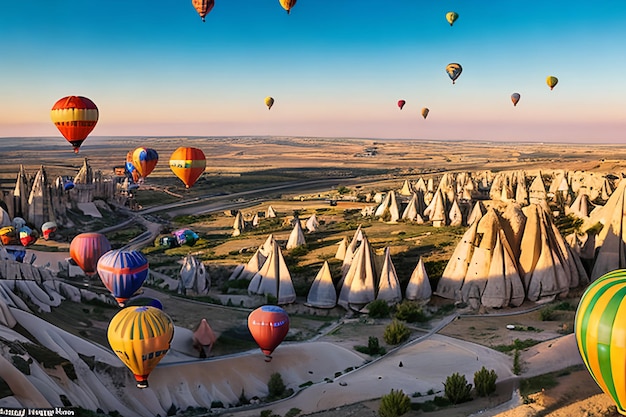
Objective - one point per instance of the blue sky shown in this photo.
(335, 68)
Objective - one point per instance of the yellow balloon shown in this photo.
(269, 102)
(451, 17)
(552, 81)
(454, 70)
(140, 337)
(287, 4)
(425, 112)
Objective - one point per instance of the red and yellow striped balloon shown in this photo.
(188, 164)
(141, 337)
(75, 117)
(600, 328)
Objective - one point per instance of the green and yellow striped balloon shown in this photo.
(600, 328)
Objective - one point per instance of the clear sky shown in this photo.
(334, 67)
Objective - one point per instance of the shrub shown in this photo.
(456, 388)
(517, 366)
(276, 386)
(378, 309)
(547, 314)
(373, 347)
(485, 382)
(410, 312)
(396, 332)
(293, 412)
(394, 404)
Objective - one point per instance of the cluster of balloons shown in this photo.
(424, 112)
(203, 7)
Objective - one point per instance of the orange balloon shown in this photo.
(75, 117)
(188, 164)
(203, 7)
(287, 4)
(269, 326)
(144, 160)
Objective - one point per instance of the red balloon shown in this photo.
(75, 117)
(401, 103)
(269, 326)
(87, 248)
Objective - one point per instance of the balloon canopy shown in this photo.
(48, 229)
(454, 71)
(188, 164)
(75, 117)
(600, 329)
(451, 17)
(425, 112)
(269, 102)
(186, 237)
(552, 81)
(268, 325)
(515, 98)
(87, 248)
(123, 273)
(144, 160)
(401, 103)
(287, 4)
(203, 7)
(140, 337)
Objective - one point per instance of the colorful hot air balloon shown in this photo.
(144, 160)
(454, 70)
(48, 229)
(28, 236)
(552, 81)
(188, 164)
(425, 112)
(600, 328)
(287, 4)
(123, 273)
(186, 237)
(269, 102)
(203, 7)
(401, 103)
(269, 326)
(9, 235)
(86, 249)
(68, 184)
(451, 17)
(515, 98)
(141, 337)
(75, 117)
(130, 167)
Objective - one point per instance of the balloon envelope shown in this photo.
(287, 4)
(454, 70)
(123, 273)
(515, 98)
(186, 237)
(600, 329)
(28, 236)
(140, 337)
(552, 81)
(144, 160)
(188, 164)
(425, 112)
(269, 326)
(203, 7)
(48, 229)
(401, 103)
(9, 235)
(75, 117)
(269, 102)
(87, 248)
(451, 17)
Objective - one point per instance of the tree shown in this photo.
(394, 404)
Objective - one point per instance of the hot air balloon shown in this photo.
(86, 249)
(287, 4)
(552, 81)
(425, 112)
(123, 273)
(188, 164)
(9, 235)
(140, 337)
(28, 236)
(203, 7)
(75, 117)
(451, 17)
(48, 229)
(144, 160)
(600, 328)
(186, 237)
(401, 103)
(515, 98)
(268, 325)
(68, 184)
(454, 70)
(269, 102)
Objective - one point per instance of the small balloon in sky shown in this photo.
(515, 98)
(454, 71)
(75, 117)
(203, 7)
(425, 112)
(401, 103)
(269, 102)
(287, 4)
(552, 81)
(451, 17)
